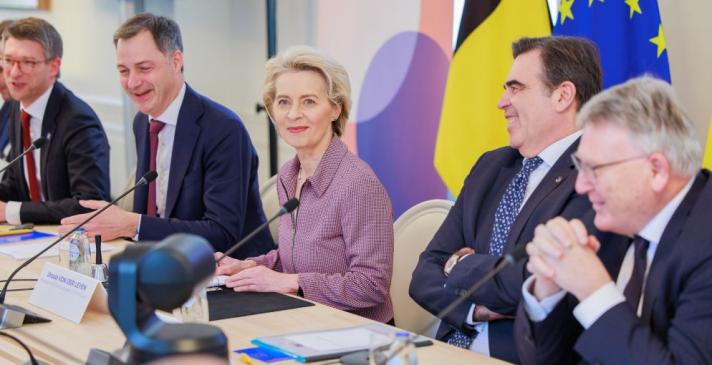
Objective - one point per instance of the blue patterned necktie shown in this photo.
(504, 217)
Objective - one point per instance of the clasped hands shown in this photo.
(562, 255)
(246, 275)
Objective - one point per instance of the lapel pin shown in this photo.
(558, 179)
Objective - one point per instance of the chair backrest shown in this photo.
(413, 231)
(127, 202)
(270, 204)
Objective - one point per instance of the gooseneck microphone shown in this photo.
(288, 207)
(518, 253)
(37, 144)
(8, 313)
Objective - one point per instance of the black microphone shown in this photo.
(361, 357)
(288, 207)
(37, 144)
(9, 310)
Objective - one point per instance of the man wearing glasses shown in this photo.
(47, 184)
(7, 103)
(509, 192)
(639, 163)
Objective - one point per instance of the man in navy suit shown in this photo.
(207, 167)
(47, 184)
(509, 192)
(639, 163)
(7, 104)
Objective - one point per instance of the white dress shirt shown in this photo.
(164, 153)
(589, 310)
(36, 110)
(550, 155)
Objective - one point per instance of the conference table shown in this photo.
(63, 342)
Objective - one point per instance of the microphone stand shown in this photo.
(37, 144)
(12, 316)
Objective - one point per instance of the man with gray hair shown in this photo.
(639, 164)
(47, 184)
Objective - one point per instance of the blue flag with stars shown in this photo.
(628, 33)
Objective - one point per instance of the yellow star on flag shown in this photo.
(565, 10)
(634, 7)
(659, 40)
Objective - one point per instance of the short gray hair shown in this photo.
(650, 111)
(302, 58)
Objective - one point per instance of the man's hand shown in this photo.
(262, 279)
(2, 212)
(231, 266)
(455, 258)
(113, 223)
(563, 256)
(483, 314)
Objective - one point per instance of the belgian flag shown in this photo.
(707, 162)
(470, 123)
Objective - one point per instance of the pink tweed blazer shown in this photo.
(340, 239)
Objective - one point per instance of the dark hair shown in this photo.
(38, 30)
(165, 31)
(566, 59)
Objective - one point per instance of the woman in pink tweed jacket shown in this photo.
(337, 247)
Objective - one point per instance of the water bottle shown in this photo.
(79, 252)
(406, 354)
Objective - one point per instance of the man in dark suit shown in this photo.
(74, 162)
(509, 192)
(207, 167)
(639, 163)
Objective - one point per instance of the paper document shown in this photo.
(333, 340)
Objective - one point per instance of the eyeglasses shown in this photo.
(24, 65)
(591, 171)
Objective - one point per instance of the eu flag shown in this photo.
(628, 33)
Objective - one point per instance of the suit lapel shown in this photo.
(674, 238)
(49, 125)
(187, 133)
(561, 176)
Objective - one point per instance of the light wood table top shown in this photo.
(64, 342)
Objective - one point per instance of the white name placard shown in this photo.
(66, 293)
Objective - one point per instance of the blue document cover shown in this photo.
(34, 235)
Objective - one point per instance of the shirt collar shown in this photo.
(653, 231)
(37, 108)
(325, 170)
(553, 152)
(170, 115)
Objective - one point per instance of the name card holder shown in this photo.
(67, 294)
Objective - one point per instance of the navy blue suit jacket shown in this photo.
(74, 162)
(676, 315)
(213, 190)
(470, 223)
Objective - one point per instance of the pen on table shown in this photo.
(245, 359)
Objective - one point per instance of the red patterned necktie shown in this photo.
(32, 182)
(154, 128)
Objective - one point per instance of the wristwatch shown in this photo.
(451, 262)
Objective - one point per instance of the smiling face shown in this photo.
(622, 194)
(149, 77)
(302, 110)
(29, 84)
(529, 106)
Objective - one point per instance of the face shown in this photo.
(149, 77)
(302, 110)
(29, 82)
(620, 193)
(528, 106)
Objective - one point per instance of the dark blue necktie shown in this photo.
(504, 217)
